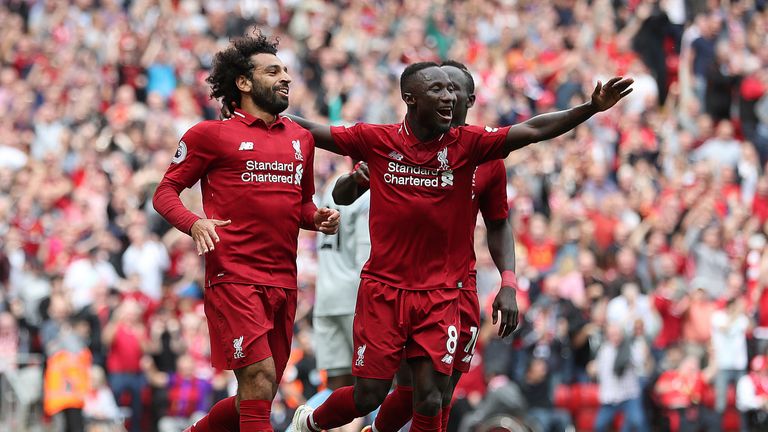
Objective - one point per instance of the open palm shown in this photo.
(606, 95)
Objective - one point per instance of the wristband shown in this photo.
(508, 278)
(360, 182)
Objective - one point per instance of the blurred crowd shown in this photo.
(641, 236)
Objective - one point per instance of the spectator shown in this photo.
(100, 409)
(680, 392)
(125, 338)
(752, 395)
(188, 397)
(146, 258)
(538, 394)
(619, 363)
(729, 348)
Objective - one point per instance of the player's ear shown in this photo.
(244, 84)
(471, 100)
(409, 99)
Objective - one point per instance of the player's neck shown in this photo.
(256, 111)
(421, 132)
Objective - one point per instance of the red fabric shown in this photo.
(223, 417)
(444, 416)
(396, 410)
(387, 319)
(469, 317)
(541, 255)
(256, 175)
(752, 88)
(125, 352)
(422, 423)
(254, 416)
(489, 197)
(760, 207)
(761, 384)
(420, 194)
(671, 323)
(683, 390)
(338, 410)
(249, 323)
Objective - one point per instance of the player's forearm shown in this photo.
(550, 125)
(501, 244)
(308, 210)
(167, 202)
(347, 190)
(320, 132)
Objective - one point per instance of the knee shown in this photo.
(257, 381)
(429, 402)
(368, 396)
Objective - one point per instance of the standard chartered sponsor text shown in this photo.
(408, 175)
(268, 172)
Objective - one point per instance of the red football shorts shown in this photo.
(249, 323)
(388, 319)
(469, 316)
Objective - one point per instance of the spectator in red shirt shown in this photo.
(681, 390)
(126, 338)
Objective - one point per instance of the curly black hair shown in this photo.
(233, 62)
(462, 67)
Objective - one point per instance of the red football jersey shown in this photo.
(489, 197)
(258, 176)
(421, 199)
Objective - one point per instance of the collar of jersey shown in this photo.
(410, 139)
(251, 120)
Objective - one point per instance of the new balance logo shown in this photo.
(467, 358)
(360, 362)
(491, 129)
(396, 156)
(246, 145)
(238, 345)
(447, 359)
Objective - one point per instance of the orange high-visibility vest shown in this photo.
(67, 381)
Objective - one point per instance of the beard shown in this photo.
(268, 99)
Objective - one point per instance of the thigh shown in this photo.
(433, 320)
(605, 416)
(469, 319)
(280, 337)
(333, 345)
(426, 379)
(239, 316)
(378, 335)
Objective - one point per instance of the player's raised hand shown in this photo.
(327, 220)
(203, 232)
(606, 95)
(505, 306)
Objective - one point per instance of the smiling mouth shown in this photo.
(283, 91)
(446, 113)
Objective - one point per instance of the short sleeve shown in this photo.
(485, 143)
(194, 155)
(351, 140)
(493, 198)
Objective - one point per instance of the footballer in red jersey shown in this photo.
(489, 196)
(255, 170)
(420, 207)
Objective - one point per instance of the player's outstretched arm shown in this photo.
(501, 245)
(550, 125)
(349, 187)
(320, 132)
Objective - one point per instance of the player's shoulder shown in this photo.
(294, 128)
(477, 130)
(205, 128)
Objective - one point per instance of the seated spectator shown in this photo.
(188, 397)
(752, 396)
(680, 391)
(537, 389)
